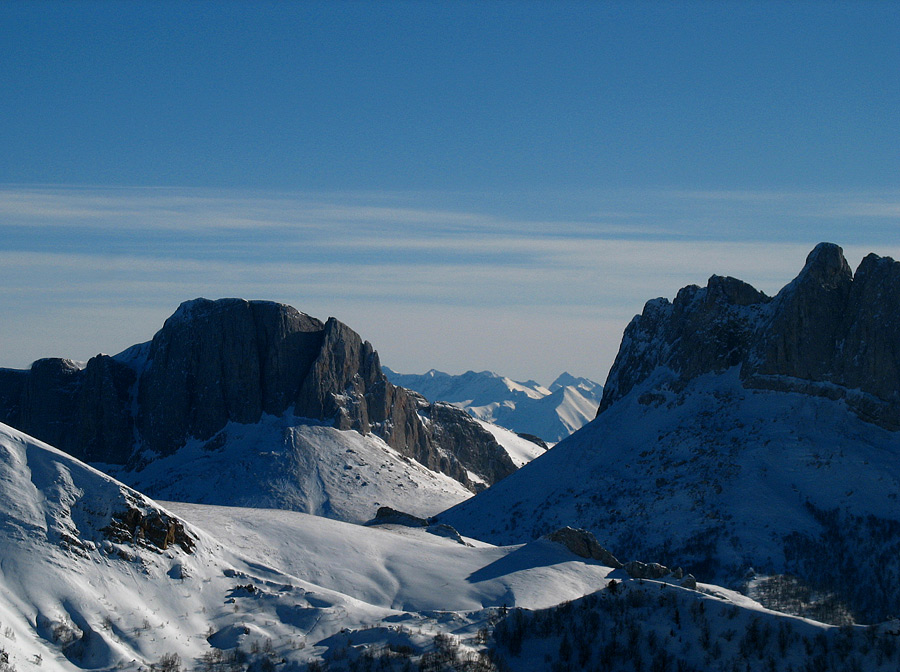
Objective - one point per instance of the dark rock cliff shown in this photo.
(452, 428)
(219, 361)
(829, 332)
(83, 410)
(231, 360)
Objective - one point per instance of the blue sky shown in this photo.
(468, 185)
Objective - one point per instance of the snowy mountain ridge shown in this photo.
(740, 436)
(551, 413)
(285, 590)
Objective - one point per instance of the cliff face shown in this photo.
(231, 360)
(828, 333)
(219, 361)
(84, 410)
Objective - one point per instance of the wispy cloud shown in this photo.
(379, 261)
(887, 208)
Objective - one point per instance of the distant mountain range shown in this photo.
(551, 413)
(751, 439)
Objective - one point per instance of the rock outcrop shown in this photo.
(83, 410)
(654, 571)
(643, 570)
(154, 529)
(388, 516)
(220, 361)
(215, 362)
(828, 333)
(462, 438)
(585, 545)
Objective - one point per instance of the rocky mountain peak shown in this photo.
(826, 267)
(232, 360)
(220, 361)
(827, 333)
(731, 291)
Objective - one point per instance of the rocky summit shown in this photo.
(829, 333)
(752, 440)
(232, 361)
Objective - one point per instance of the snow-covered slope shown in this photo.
(551, 413)
(94, 575)
(708, 455)
(287, 463)
(90, 577)
(520, 450)
(715, 478)
(406, 568)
